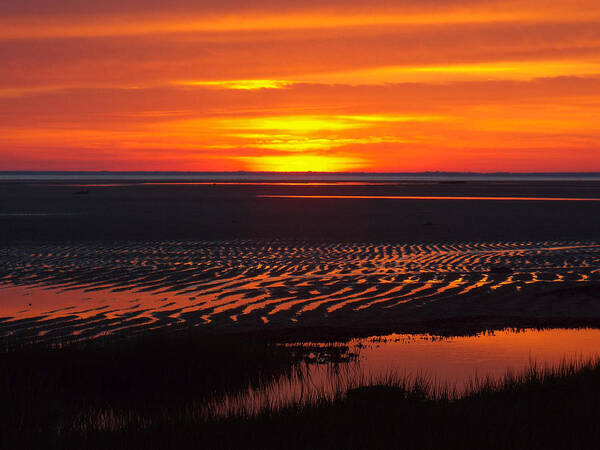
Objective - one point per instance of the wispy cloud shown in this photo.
(245, 85)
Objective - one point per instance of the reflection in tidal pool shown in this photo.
(446, 362)
(455, 360)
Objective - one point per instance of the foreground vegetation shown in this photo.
(152, 392)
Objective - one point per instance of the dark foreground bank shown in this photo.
(148, 393)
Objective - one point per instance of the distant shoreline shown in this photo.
(240, 176)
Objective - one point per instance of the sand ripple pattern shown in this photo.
(132, 286)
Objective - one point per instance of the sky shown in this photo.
(290, 85)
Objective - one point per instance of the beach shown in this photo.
(304, 298)
(83, 259)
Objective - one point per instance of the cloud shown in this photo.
(384, 85)
(42, 19)
(245, 85)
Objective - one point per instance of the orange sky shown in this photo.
(330, 85)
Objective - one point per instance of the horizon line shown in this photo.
(427, 172)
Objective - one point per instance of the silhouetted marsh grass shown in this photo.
(196, 391)
(304, 388)
(307, 386)
(541, 407)
(129, 382)
(191, 390)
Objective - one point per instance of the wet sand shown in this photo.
(55, 291)
(135, 257)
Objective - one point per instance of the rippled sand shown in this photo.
(53, 291)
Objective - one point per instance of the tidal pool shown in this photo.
(452, 362)
(455, 360)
